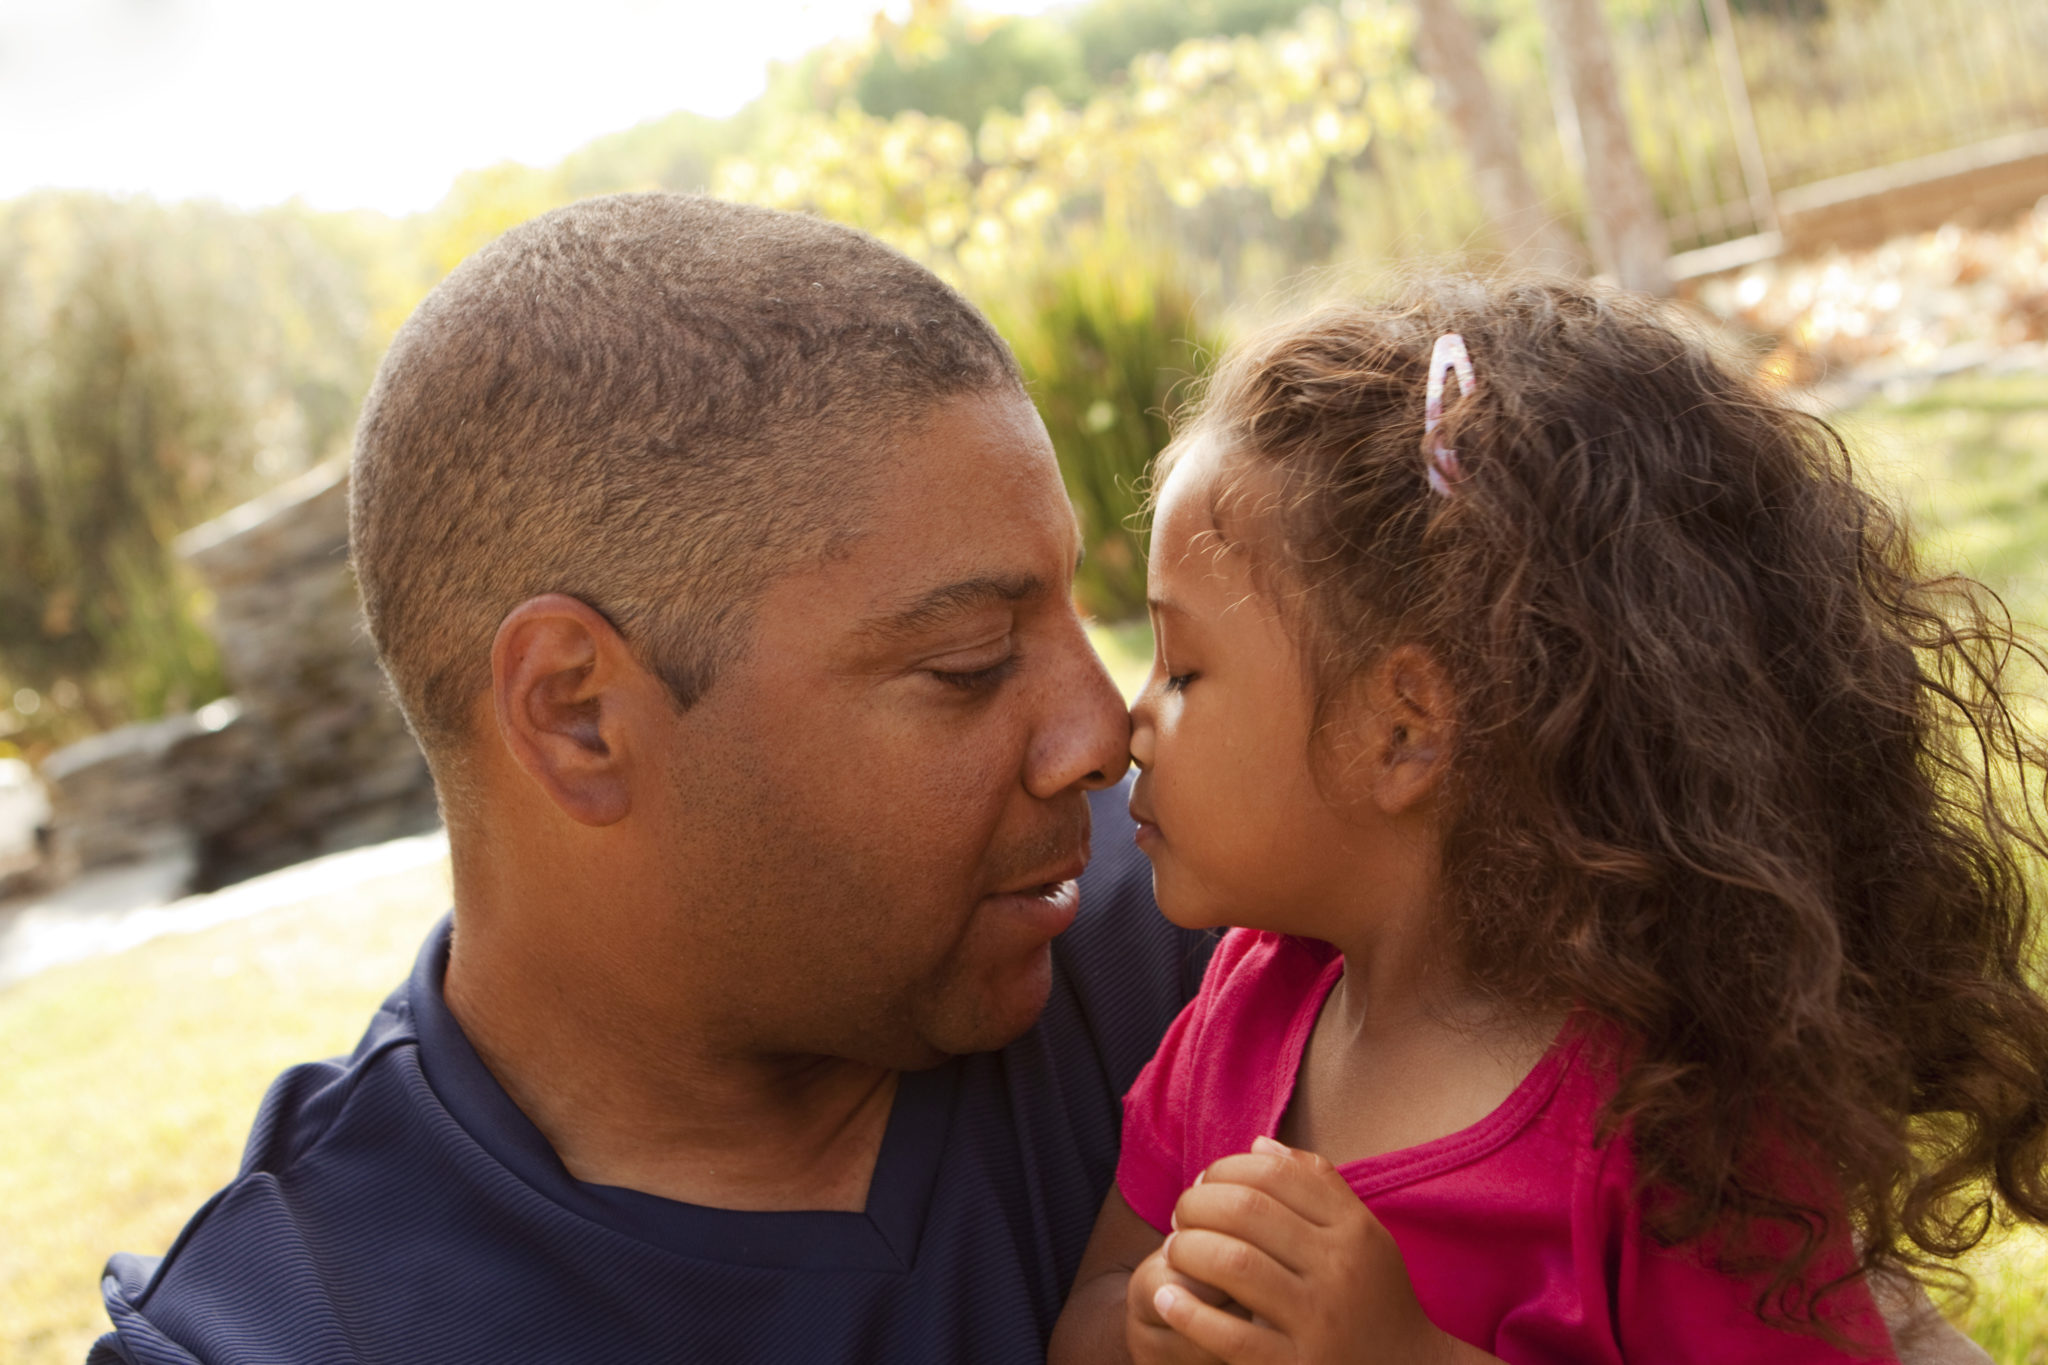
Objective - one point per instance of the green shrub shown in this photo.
(1105, 335)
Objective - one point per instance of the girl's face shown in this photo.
(1228, 808)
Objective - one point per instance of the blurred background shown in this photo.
(216, 839)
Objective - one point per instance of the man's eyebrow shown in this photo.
(953, 599)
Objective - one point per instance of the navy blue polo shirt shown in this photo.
(397, 1206)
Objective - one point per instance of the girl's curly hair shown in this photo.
(1733, 773)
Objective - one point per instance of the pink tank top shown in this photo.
(1521, 1233)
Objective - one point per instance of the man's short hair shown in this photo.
(655, 403)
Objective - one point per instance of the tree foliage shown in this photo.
(955, 67)
(1257, 124)
(1111, 34)
(950, 63)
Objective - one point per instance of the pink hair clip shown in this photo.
(1439, 460)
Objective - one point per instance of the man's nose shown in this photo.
(1083, 737)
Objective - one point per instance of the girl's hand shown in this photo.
(1150, 1339)
(1279, 1232)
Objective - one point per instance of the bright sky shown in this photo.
(369, 103)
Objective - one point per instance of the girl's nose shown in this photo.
(1143, 736)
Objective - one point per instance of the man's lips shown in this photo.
(1050, 900)
(1045, 879)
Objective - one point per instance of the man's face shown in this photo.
(890, 788)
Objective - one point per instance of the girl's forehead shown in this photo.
(1211, 535)
(1189, 502)
(1213, 493)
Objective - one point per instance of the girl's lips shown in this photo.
(1147, 833)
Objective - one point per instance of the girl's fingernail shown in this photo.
(1163, 1300)
(1201, 1175)
(1166, 1247)
(1173, 1221)
(1266, 1146)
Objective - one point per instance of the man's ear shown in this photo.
(1408, 716)
(562, 679)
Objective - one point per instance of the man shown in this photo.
(722, 567)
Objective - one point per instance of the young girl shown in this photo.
(1631, 848)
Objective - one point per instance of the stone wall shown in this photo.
(24, 828)
(309, 755)
(122, 796)
(320, 757)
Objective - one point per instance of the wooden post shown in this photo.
(1756, 174)
(1627, 230)
(1449, 48)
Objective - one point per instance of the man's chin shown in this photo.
(986, 1014)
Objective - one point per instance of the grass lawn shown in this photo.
(2008, 1315)
(130, 1081)
(1970, 457)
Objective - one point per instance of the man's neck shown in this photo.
(639, 1103)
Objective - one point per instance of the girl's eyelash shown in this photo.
(977, 680)
(1178, 682)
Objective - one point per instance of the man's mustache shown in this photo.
(1059, 845)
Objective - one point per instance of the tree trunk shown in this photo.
(1449, 48)
(1628, 231)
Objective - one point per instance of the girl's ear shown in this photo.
(1407, 718)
